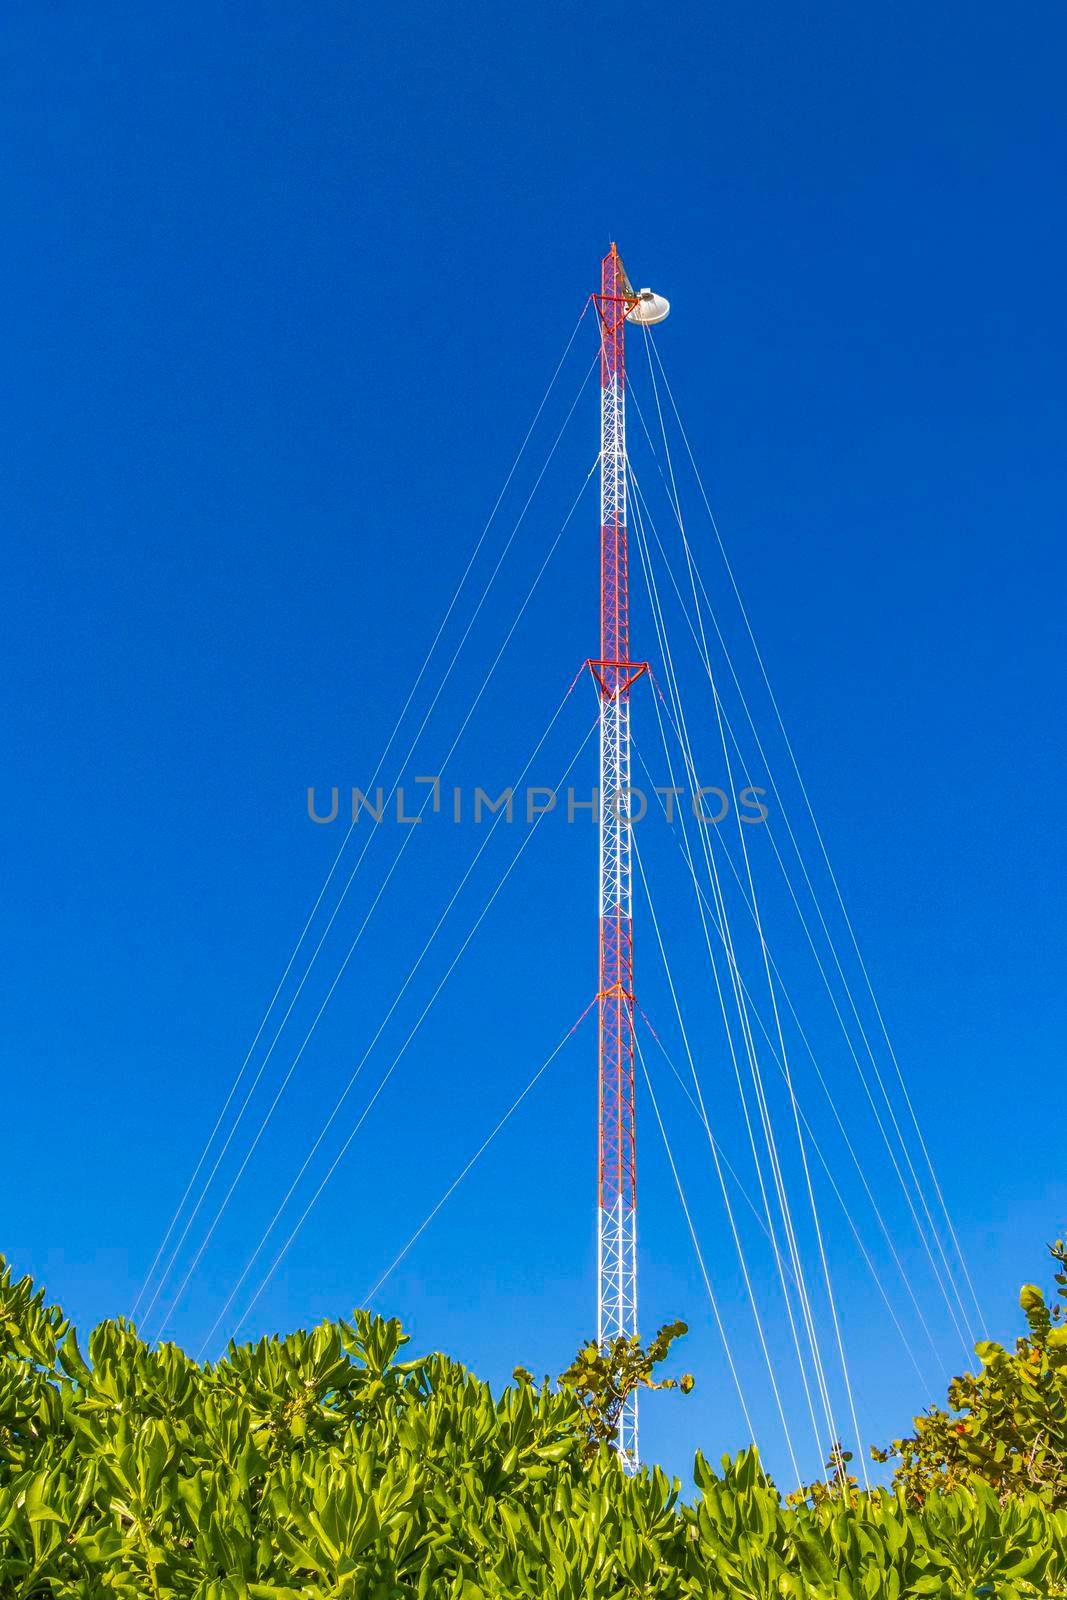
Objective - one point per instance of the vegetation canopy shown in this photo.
(327, 1464)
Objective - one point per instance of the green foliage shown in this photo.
(839, 1484)
(603, 1379)
(328, 1465)
(1006, 1425)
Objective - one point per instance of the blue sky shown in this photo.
(281, 291)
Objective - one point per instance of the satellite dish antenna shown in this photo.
(650, 308)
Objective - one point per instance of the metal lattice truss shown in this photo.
(617, 1214)
(617, 1249)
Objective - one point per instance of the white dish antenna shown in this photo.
(650, 308)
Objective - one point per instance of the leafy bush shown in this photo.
(326, 1465)
(1006, 1426)
(602, 1380)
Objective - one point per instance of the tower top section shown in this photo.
(622, 302)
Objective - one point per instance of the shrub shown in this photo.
(326, 1464)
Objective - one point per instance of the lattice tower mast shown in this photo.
(615, 673)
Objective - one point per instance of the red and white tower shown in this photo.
(615, 673)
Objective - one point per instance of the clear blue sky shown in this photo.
(281, 288)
